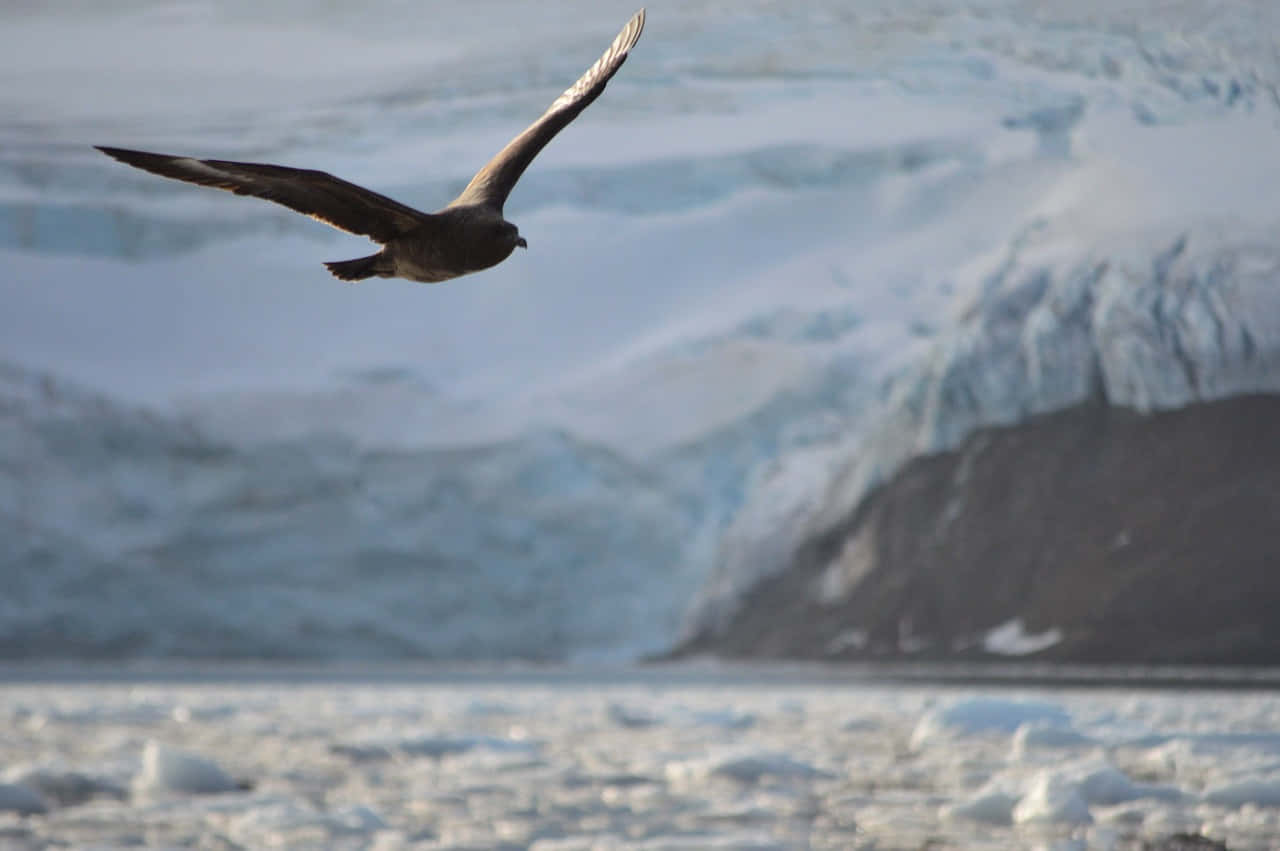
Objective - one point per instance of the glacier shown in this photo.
(131, 534)
(789, 251)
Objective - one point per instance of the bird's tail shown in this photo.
(375, 265)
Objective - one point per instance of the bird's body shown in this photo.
(455, 241)
(468, 235)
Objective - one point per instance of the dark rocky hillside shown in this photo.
(1139, 539)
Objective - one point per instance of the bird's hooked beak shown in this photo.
(520, 242)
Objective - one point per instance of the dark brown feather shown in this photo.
(315, 193)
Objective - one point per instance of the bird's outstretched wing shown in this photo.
(315, 193)
(493, 183)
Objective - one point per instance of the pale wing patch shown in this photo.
(200, 167)
(606, 64)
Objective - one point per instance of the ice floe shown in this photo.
(985, 715)
(170, 770)
(357, 765)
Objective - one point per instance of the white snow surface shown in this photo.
(538, 759)
(789, 249)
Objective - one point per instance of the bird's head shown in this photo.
(510, 235)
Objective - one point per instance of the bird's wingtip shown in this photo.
(634, 28)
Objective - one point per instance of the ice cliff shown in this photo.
(130, 534)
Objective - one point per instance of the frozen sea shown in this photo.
(656, 759)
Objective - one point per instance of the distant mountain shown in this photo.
(1087, 468)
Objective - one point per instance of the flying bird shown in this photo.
(468, 235)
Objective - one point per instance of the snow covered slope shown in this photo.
(786, 250)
